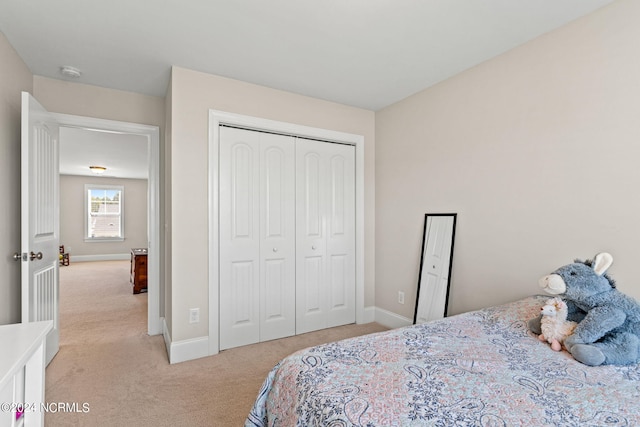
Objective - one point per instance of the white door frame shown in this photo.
(216, 118)
(152, 133)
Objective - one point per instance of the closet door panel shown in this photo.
(338, 297)
(311, 195)
(325, 211)
(341, 235)
(242, 288)
(273, 278)
(277, 242)
(313, 275)
(239, 238)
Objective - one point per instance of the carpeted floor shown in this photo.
(109, 365)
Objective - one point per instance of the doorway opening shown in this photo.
(144, 140)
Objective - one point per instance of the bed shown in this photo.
(482, 368)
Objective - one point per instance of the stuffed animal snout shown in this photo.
(553, 284)
(548, 310)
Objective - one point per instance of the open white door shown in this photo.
(40, 219)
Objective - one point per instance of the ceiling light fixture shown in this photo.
(69, 71)
(98, 170)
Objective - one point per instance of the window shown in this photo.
(104, 212)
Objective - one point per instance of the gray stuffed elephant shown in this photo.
(608, 332)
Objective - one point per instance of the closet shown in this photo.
(287, 235)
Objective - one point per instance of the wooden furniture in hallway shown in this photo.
(139, 270)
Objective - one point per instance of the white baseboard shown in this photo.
(191, 349)
(182, 351)
(100, 257)
(369, 315)
(390, 319)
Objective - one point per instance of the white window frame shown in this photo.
(87, 212)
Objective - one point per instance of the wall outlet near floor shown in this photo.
(194, 315)
(400, 297)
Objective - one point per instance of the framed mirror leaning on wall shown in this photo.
(434, 279)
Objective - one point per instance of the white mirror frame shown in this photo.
(436, 262)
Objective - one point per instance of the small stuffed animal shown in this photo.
(608, 331)
(554, 324)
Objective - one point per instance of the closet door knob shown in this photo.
(275, 249)
(313, 247)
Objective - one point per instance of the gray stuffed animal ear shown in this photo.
(602, 262)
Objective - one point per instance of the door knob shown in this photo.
(35, 256)
(17, 256)
(275, 249)
(313, 247)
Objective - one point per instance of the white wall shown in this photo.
(73, 208)
(193, 94)
(15, 77)
(537, 151)
(79, 99)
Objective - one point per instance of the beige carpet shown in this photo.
(107, 361)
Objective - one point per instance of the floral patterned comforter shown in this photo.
(482, 368)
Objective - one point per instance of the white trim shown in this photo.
(220, 117)
(390, 319)
(195, 348)
(152, 133)
(100, 257)
(167, 337)
(369, 315)
(181, 351)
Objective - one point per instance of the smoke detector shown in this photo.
(69, 71)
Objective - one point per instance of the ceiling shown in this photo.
(363, 53)
(124, 155)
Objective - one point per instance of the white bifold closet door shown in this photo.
(257, 237)
(325, 235)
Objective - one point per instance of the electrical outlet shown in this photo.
(400, 297)
(194, 315)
